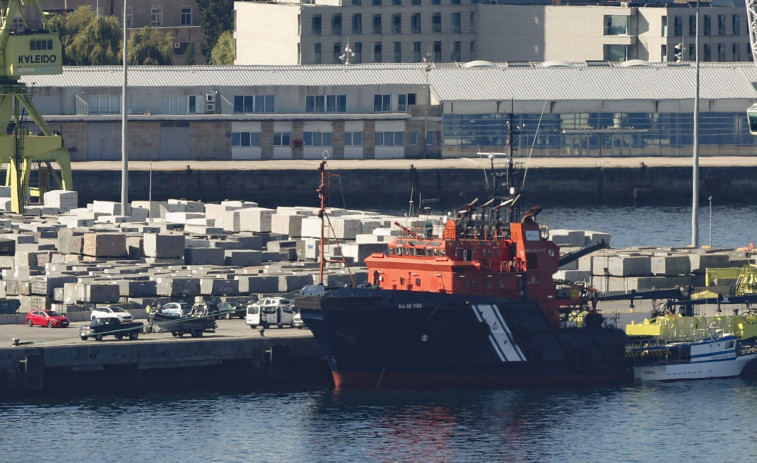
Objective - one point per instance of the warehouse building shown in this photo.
(371, 111)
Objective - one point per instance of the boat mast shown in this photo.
(322, 215)
(695, 169)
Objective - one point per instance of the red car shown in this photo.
(48, 318)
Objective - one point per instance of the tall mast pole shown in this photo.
(124, 152)
(695, 170)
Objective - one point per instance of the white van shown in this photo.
(269, 311)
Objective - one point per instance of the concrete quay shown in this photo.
(233, 357)
(387, 183)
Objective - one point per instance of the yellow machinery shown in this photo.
(28, 47)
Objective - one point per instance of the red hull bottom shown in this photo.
(441, 380)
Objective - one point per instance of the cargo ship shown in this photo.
(476, 306)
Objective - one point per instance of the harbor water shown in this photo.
(683, 421)
(694, 421)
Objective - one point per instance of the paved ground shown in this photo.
(43, 336)
(457, 163)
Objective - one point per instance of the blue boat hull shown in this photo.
(392, 339)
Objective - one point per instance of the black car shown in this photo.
(233, 309)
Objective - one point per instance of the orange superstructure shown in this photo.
(515, 262)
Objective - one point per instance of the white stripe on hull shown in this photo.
(500, 336)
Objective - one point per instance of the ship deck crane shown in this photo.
(28, 47)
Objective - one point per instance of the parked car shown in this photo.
(205, 308)
(268, 311)
(297, 321)
(111, 312)
(232, 309)
(179, 309)
(48, 318)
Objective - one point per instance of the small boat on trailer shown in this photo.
(719, 356)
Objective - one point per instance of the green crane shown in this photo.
(28, 47)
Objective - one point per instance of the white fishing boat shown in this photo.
(719, 356)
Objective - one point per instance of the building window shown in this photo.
(473, 22)
(396, 24)
(677, 26)
(454, 2)
(104, 104)
(357, 2)
(397, 2)
(253, 104)
(358, 50)
(376, 23)
(455, 22)
(707, 52)
(336, 52)
(616, 53)
(664, 53)
(376, 2)
(455, 55)
(692, 51)
(357, 23)
(245, 139)
(473, 49)
(721, 52)
(664, 24)
(282, 138)
(129, 17)
(316, 53)
(336, 24)
(437, 51)
(353, 138)
(413, 138)
(405, 100)
(707, 28)
(156, 16)
(243, 103)
(692, 25)
(735, 25)
(721, 24)
(316, 138)
(415, 2)
(316, 24)
(736, 52)
(436, 22)
(377, 52)
(336, 103)
(416, 52)
(390, 138)
(436, 2)
(415, 23)
(382, 103)
(397, 52)
(186, 16)
(617, 25)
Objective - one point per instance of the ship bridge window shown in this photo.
(436, 243)
(405, 251)
(417, 282)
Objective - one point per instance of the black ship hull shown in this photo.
(395, 339)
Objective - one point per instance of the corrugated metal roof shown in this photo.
(234, 76)
(654, 81)
(449, 81)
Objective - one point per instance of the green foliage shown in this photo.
(94, 42)
(216, 17)
(223, 52)
(88, 39)
(150, 46)
(189, 55)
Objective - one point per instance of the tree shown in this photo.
(223, 52)
(88, 39)
(98, 43)
(216, 17)
(189, 55)
(151, 47)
